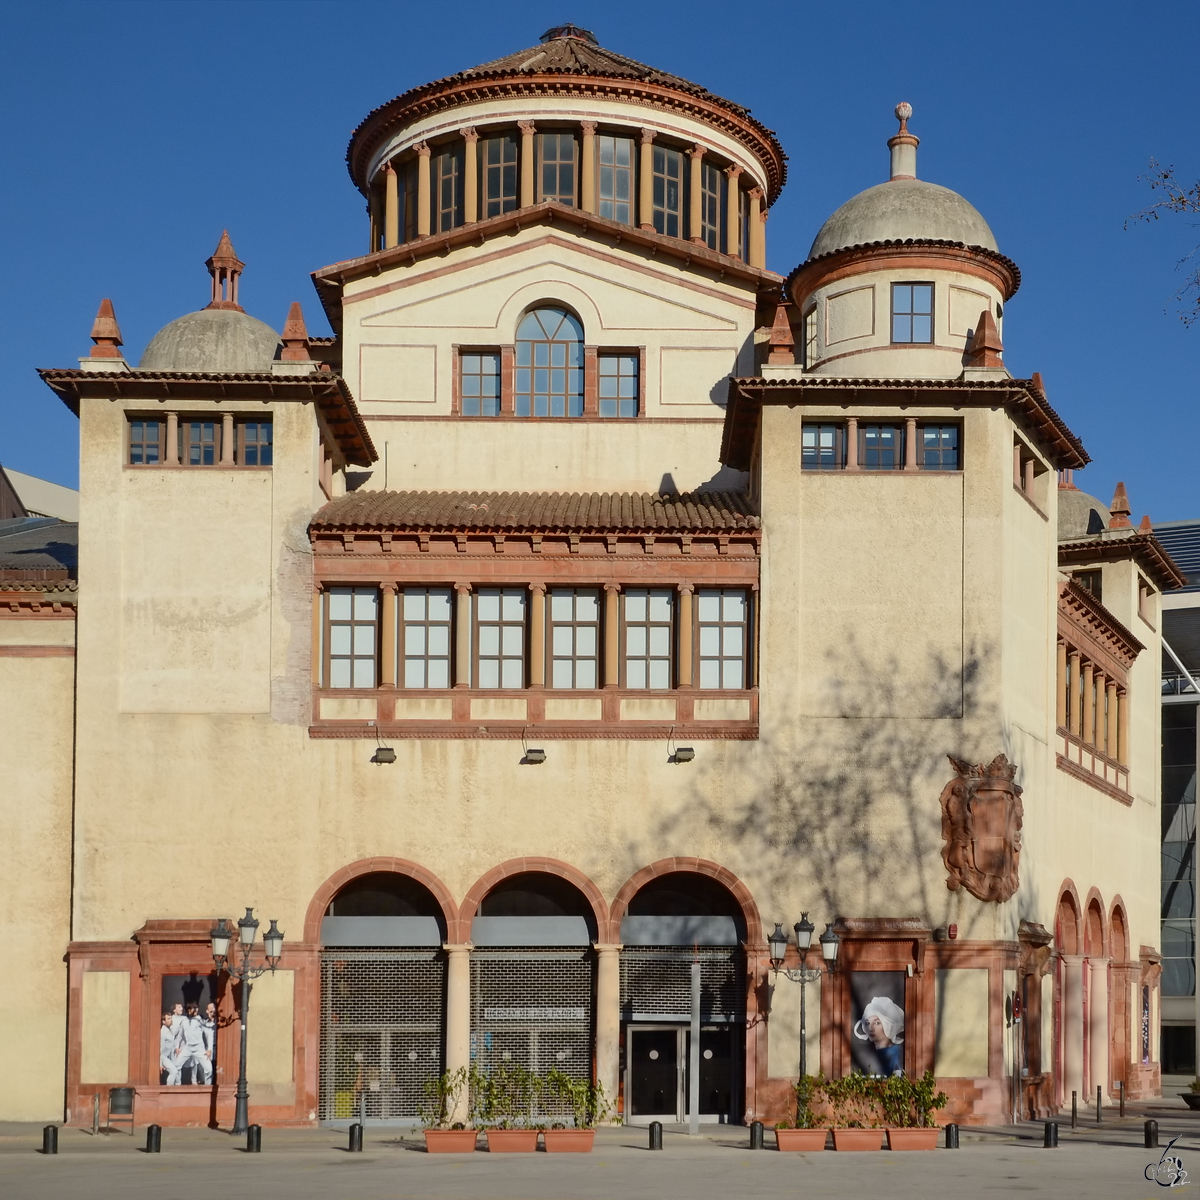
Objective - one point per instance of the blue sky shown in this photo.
(136, 131)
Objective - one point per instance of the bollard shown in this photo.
(50, 1139)
(1074, 1110)
(95, 1114)
(1151, 1135)
(356, 1132)
(1097, 1104)
(153, 1139)
(951, 1136)
(1122, 1099)
(756, 1135)
(1050, 1138)
(655, 1135)
(254, 1139)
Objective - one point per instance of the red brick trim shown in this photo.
(755, 940)
(1065, 765)
(461, 931)
(1118, 953)
(369, 866)
(37, 651)
(1094, 898)
(1068, 891)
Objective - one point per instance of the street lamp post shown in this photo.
(245, 974)
(804, 974)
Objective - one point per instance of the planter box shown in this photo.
(1191, 1099)
(800, 1139)
(450, 1141)
(858, 1139)
(569, 1141)
(512, 1141)
(912, 1139)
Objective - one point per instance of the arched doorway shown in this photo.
(383, 997)
(674, 923)
(533, 976)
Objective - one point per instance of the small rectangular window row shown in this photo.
(180, 441)
(549, 379)
(640, 638)
(877, 446)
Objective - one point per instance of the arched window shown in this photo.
(549, 379)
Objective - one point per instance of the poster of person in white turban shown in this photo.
(877, 1022)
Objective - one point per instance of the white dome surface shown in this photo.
(213, 339)
(903, 209)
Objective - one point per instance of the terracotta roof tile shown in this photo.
(536, 511)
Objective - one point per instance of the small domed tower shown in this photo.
(905, 280)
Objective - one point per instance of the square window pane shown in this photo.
(660, 606)
(561, 675)
(489, 639)
(513, 641)
(585, 673)
(731, 641)
(660, 674)
(562, 640)
(635, 606)
(731, 673)
(635, 639)
(439, 604)
(414, 672)
(414, 639)
(489, 673)
(512, 676)
(364, 672)
(922, 327)
(487, 606)
(585, 640)
(635, 673)
(562, 606)
(439, 673)
(710, 640)
(364, 639)
(660, 642)
(514, 605)
(339, 673)
(339, 639)
(365, 603)
(710, 673)
(709, 606)
(734, 606)
(414, 604)
(587, 606)
(439, 639)
(339, 604)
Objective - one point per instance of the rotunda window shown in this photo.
(549, 375)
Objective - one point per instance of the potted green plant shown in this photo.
(506, 1098)
(908, 1108)
(587, 1105)
(443, 1134)
(855, 1108)
(1192, 1096)
(805, 1133)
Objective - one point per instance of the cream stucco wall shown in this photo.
(36, 712)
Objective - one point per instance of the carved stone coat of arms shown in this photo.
(981, 828)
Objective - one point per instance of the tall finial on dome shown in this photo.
(225, 267)
(904, 145)
(106, 333)
(1119, 508)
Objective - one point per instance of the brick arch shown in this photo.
(1118, 930)
(696, 866)
(1095, 927)
(521, 866)
(369, 866)
(1068, 940)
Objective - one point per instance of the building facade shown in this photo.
(594, 599)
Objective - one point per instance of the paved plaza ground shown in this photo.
(1108, 1161)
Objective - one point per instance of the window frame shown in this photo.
(864, 430)
(461, 375)
(570, 398)
(941, 468)
(912, 314)
(476, 624)
(184, 428)
(553, 623)
(672, 624)
(839, 445)
(444, 217)
(667, 220)
(712, 205)
(617, 169)
(610, 353)
(241, 448)
(558, 164)
(503, 202)
(425, 623)
(746, 625)
(327, 624)
(130, 443)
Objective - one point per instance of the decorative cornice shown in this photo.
(1087, 615)
(1021, 397)
(1144, 548)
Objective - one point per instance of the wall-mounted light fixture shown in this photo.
(383, 754)
(678, 754)
(533, 754)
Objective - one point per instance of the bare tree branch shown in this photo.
(1176, 198)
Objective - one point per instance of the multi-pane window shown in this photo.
(254, 443)
(668, 190)
(479, 383)
(549, 371)
(145, 441)
(425, 637)
(351, 636)
(648, 637)
(574, 627)
(408, 185)
(557, 162)
(742, 250)
(810, 337)
(446, 179)
(614, 178)
(617, 385)
(938, 447)
(912, 312)
(500, 638)
(200, 443)
(710, 206)
(500, 175)
(822, 448)
(881, 447)
(722, 622)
